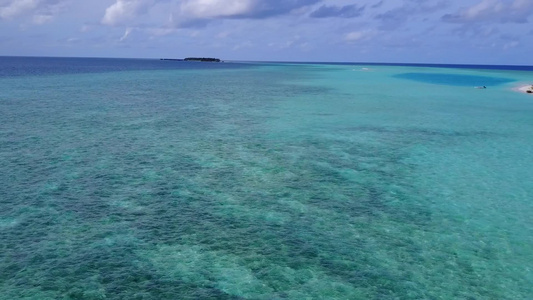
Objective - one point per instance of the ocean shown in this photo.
(150, 179)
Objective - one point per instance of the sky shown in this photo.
(401, 31)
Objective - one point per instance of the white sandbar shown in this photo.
(525, 88)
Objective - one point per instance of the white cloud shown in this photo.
(41, 19)
(223, 34)
(243, 45)
(160, 31)
(125, 10)
(11, 9)
(85, 28)
(511, 45)
(482, 9)
(355, 36)
(126, 34)
(216, 8)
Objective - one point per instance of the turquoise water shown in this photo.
(455, 79)
(136, 180)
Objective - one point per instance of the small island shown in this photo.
(203, 59)
(526, 89)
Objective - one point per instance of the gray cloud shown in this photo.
(347, 11)
(269, 8)
(241, 9)
(198, 13)
(377, 5)
(517, 11)
(41, 10)
(397, 17)
(476, 31)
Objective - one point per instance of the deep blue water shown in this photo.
(38, 66)
(20, 66)
(422, 65)
(148, 179)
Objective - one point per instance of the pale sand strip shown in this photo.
(525, 89)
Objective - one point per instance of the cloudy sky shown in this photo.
(438, 31)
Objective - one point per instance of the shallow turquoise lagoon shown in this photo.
(264, 181)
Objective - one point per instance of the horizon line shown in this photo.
(282, 61)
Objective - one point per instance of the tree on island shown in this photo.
(206, 59)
